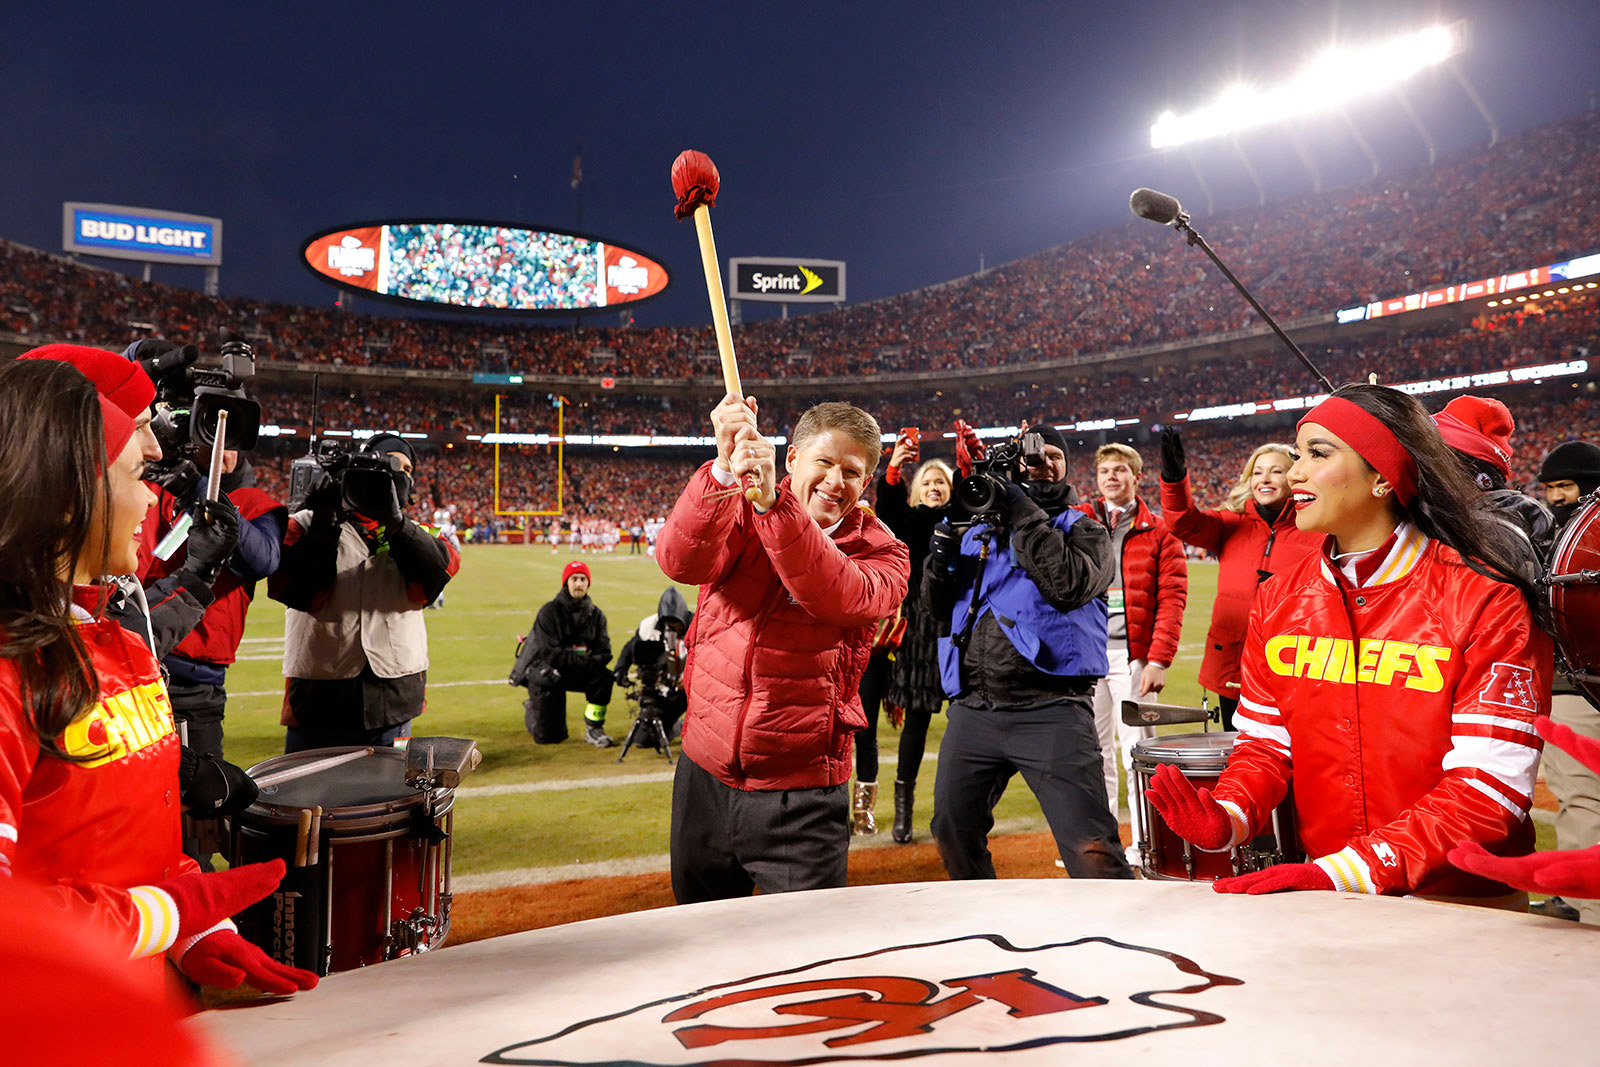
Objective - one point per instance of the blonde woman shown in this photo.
(911, 508)
(1253, 536)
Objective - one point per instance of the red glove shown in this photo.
(897, 716)
(1193, 816)
(204, 899)
(225, 960)
(1570, 873)
(1583, 749)
(1284, 876)
(969, 449)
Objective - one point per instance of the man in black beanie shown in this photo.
(1023, 603)
(1570, 472)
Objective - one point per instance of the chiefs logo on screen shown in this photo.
(968, 994)
(630, 276)
(348, 256)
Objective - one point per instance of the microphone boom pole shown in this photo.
(1164, 209)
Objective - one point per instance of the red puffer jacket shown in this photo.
(1155, 584)
(781, 633)
(1246, 546)
(1402, 714)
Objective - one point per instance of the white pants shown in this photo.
(1115, 735)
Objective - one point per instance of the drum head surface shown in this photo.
(378, 778)
(1188, 749)
(1036, 972)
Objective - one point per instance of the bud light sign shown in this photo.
(141, 234)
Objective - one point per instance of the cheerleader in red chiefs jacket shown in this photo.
(88, 753)
(1392, 679)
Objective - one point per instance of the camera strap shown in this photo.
(960, 640)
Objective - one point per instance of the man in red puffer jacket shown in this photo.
(792, 584)
(1144, 614)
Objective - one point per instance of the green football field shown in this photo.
(532, 810)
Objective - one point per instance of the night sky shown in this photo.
(907, 139)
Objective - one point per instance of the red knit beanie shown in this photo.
(577, 566)
(118, 428)
(120, 380)
(1481, 427)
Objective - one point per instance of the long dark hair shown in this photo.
(52, 475)
(1447, 505)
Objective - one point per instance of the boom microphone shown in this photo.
(1164, 209)
(1157, 207)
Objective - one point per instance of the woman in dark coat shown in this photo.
(911, 509)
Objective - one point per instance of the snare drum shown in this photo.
(1202, 758)
(375, 884)
(1574, 583)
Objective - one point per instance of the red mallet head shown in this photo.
(695, 181)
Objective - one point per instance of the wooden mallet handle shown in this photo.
(696, 182)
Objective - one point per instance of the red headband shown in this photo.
(1372, 441)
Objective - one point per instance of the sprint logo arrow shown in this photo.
(812, 279)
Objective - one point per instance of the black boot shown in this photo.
(903, 794)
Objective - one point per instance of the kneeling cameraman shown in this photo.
(566, 652)
(655, 653)
(1023, 592)
(355, 575)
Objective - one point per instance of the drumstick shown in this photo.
(696, 182)
(314, 841)
(291, 773)
(301, 836)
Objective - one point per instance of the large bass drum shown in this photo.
(1574, 584)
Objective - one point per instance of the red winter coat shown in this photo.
(93, 830)
(1155, 584)
(1402, 714)
(781, 633)
(1245, 546)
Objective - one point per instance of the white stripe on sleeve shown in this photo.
(1513, 764)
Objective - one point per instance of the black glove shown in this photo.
(944, 548)
(159, 356)
(211, 787)
(549, 677)
(389, 513)
(213, 537)
(1174, 465)
(620, 677)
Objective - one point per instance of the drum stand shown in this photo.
(647, 729)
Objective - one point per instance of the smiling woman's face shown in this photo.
(117, 552)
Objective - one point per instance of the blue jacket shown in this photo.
(1061, 643)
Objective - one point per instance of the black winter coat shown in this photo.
(566, 635)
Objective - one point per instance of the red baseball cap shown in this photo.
(1481, 427)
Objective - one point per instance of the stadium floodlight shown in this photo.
(1331, 79)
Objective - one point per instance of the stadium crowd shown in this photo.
(1517, 204)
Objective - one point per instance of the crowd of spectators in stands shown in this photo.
(1523, 202)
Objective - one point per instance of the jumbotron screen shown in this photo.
(484, 266)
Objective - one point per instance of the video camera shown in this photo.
(364, 479)
(189, 399)
(980, 494)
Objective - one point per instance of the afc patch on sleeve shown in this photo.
(1510, 685)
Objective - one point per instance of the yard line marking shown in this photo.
(431, 685)
(560, 784)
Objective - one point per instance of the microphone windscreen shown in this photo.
(1157, 207)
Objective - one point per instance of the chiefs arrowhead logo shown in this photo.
(977, 993)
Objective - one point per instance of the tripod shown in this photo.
(647, 728)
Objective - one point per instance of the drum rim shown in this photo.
(1574, 530)
(1156, 750)
(350, 817)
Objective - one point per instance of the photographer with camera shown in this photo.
(654, 655)
(566, 652)
(1021, 592)
(355, 576)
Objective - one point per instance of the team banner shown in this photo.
(483, 266)
(141, 233)
(799, 281)
(1556, 274)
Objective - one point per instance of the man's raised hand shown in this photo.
(755, 462)
(727, 418)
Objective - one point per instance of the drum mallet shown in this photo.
(301, 837)
(314, 838)
(289, 774)
(695, 182)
